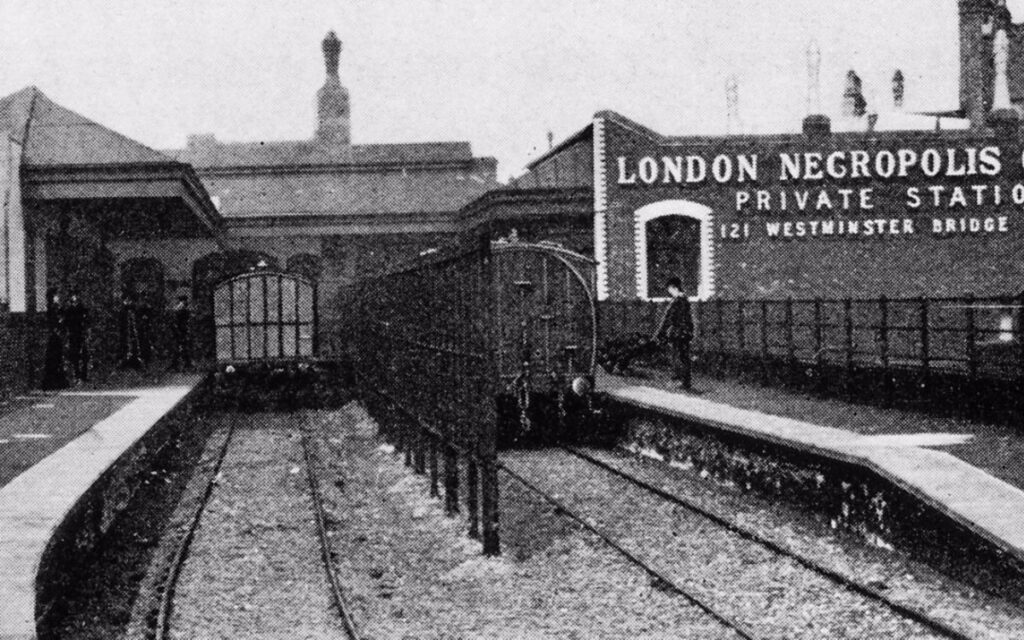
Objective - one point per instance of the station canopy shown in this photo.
(71, 163)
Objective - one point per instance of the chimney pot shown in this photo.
(816, 126)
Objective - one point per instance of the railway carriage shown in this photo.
(545, 327)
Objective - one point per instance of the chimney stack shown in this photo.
(732, 105)
(854, 105)
(332, 99)
(979, 22)
(813, 78)
(898, 90)
(1004, 119)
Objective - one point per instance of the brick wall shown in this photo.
(923, 263)
(22, 345)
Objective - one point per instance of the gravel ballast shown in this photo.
(254, 567)
(899, 576)
(770, 594)
(411, 572)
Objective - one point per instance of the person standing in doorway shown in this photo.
(144, 327)
(76, 322)
(676, 330)
(181, 357)
(130, 358)
(54, 375)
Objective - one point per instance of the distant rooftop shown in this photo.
(206, 152)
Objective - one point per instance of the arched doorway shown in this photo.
(143, 284)
(207, 273)
(674, 238)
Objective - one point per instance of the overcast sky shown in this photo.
(499, 73)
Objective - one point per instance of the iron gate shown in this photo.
(265, 315)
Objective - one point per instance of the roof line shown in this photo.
(572, 139)
(28, 124)
(361, 167)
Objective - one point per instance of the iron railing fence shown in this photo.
(892, 346)
(422, 345)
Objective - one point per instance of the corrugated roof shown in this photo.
(57, 136)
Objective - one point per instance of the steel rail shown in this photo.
(724, 619)
(319, 516)
(162, 621)
(907, 611)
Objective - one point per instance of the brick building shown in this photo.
(90, 211)
(75, 194)
(862, 203)
(869, 201)
(325, 207)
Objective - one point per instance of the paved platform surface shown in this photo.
(35, 426)
(984, 503)
(36, 500)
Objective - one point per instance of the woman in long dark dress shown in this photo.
(130, 357)
(54, 374)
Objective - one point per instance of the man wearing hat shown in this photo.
(676, 330)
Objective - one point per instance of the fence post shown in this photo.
(790, 345)
(434, 489)
(1019, 335)
(972, 357)
(420, 455)
(408, 440)
(883, 349)
(741, 337)
(720, 332)
(492, 544)
(764, 342)
(848, 326)
(701, 330)
(451, 480)
(473, 498)
(925, 339)
(819, 346)
(487, 445)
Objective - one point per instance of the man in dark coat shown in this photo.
(676, 330)
(130, 358)
(76, 322)
(54, 376)
(180, 348)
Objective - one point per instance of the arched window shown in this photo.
(674, 238)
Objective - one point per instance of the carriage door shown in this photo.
(265, 316)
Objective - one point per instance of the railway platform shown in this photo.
(963, 469)
(54, 448)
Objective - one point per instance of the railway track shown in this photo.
(161, 629)
(320, 517)
(162, 616)
(579, 469)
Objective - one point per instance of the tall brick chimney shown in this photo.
(979, 22)
(332, 99)
(854, 105)
(899, 88)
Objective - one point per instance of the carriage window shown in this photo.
(673, 249)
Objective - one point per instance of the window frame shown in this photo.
(685, 209)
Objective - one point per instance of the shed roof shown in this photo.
(67, 157)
